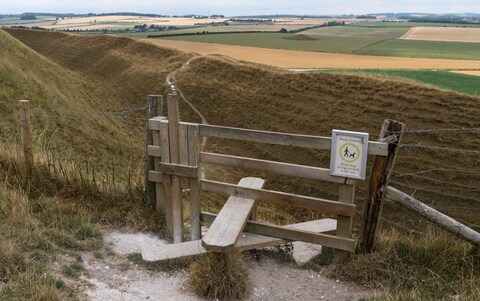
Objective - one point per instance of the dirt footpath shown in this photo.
(114, 277)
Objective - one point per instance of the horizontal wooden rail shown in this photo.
(326, 206)
(341, 243)
(294, 170)
(307, 141)
(434, 216)
(179, 170)
(155, 176)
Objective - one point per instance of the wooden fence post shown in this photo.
(344, 223)
(154, 109)
(392, 131)
(193, 155)
(176, 189)
(26, 134)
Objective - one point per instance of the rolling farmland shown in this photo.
(302, 59)
(445, 34)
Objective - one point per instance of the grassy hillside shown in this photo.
(114, 73)
(461, 83)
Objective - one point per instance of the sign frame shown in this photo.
(336, 154)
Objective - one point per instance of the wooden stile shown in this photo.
(247, 241)
(183, 144)
(227, 227)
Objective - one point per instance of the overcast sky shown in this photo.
(242, 7)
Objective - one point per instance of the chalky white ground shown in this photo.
(114, 278)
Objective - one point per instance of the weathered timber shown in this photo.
(227, 227)
(434, 216)
(346, 195)
(154, 151)
(175, 189)
(26, 134)
(381, 171)
(178, 170)
(247, 241)
(286, 169)
(281, 198)
(317, 142)
(166, 179)
(193, 152)
(154, 108)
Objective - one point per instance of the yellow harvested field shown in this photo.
(467, 72)
(444, 34)
(303, 59)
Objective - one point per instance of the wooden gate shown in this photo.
(178, 159)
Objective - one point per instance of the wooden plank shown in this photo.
(154, 150)
(341, 243)
(176, 190)
(179, 170)
(183, 142)
(381, 171)
(344, 223)
(276, 197)
(193, 153)
(166, 181)
(247, 241)
(286, 169)
(434, 216)
(317, 142)
(308, 141)
(227, 227)
(153, 110)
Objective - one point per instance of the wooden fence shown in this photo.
(175, 147)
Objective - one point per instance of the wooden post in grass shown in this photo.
(154, 109)
(26, 134)
(392, 132)
(176, 189)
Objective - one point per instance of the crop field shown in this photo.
(445, 34)
(339, 39)
(468, 72)
(301, 59)
(452, 81)
(426, 49)
(381, 41)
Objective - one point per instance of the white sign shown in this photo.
(348, 157)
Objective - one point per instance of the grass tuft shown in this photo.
(220, 276)
(429, 266)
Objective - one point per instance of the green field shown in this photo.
(381, 41)
(461, 83)
(340, 39)
(426, 49)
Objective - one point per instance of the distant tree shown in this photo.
(28, 17)
(283, 30)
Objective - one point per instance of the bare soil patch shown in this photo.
(113, 277)
(303, 59)
(444, 34)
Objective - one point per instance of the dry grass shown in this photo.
(445, 34)
(219, 276)
(426, 266)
